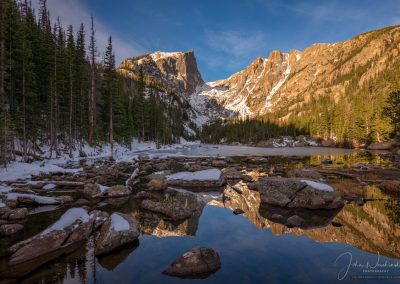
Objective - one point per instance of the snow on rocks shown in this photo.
(118, 230)
(200, 180)
(17, 198)
(23, 171)
(67, 219)
(49, 186)
(210, 174)
(318, 185)
(94, 191)
(74, 226)
(118, 223)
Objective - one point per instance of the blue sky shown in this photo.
(226, 35)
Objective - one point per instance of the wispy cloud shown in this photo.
(73, 12)
(396, 21)
(235, 43)
(329, 11)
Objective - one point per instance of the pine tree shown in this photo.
(109, 89)
(71, 68)
(92, 93)
(392, 111)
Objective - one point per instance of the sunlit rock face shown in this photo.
(176, 70)
(281, 83)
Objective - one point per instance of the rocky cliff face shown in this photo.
(292, 79)
(175, 70)
(283, 82)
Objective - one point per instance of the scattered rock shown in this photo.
(92, 190)
(118, 230)
(117, 191)
(74, 225)
(175, 205)
(65, 199)
(10, 229)
(156, 184)
(293, 193)
(219, 163)
(238, 211)
(196, 263)
(387, 145)
(18, 214)
(205, 180)
(336, 224)
(81, 202)
(294, 221)
(328, 143)
(390, 186)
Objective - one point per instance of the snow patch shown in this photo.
(49, 186)
(318, 185)
(39, 199)
(67, 219)
(118, 223)
(210, 174)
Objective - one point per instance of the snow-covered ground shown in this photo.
(20, 170)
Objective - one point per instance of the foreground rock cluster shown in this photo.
(169, 196)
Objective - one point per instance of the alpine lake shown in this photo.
(359, 242)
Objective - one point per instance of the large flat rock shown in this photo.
(295, 193)
(204, 180)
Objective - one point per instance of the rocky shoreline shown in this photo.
(175, 190)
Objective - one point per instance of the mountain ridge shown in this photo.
(280, 85)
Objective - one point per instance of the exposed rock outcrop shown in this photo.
(120, 229)
(292, 193)
(195, 263)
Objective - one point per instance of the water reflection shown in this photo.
(254, 247)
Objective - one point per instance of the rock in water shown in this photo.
(118, 191)
(74, 225)
(175, 205)
(386, 145)
(10, 229)
(196, 263)
(92, 190)
(294, 221)
(294, 193)
(238, 211)
(118, 230)
(197, 181)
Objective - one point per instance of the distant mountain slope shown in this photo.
(331, 80)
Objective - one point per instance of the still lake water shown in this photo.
(253, 249)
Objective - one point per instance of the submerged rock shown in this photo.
(293, 193)
(196, 263)
(118, 230)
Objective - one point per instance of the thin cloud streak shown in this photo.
(235, 43)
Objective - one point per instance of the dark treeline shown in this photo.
(247, 130)
(55, 91)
